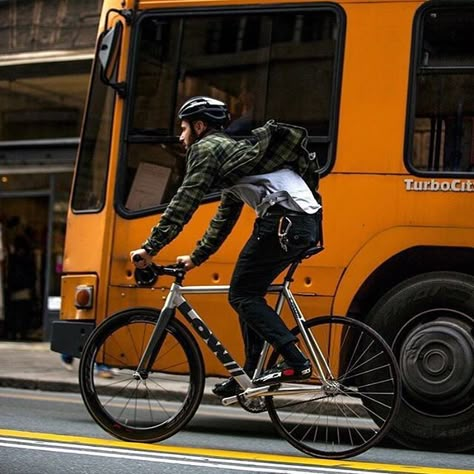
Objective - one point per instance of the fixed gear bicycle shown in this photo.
(345, 408)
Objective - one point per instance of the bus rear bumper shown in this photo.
(69, 337)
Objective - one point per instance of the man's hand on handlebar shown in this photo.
(140, 258)
(186, 261)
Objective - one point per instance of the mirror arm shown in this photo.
(127, 15)
(120, 88)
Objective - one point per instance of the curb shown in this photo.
(208, 397)
(45, 385)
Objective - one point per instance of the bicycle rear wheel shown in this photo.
(149, 409)
(354, 410)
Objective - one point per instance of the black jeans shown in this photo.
(262, 259)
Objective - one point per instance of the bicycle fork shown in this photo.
(157, 337)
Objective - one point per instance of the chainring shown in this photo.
(252, 405)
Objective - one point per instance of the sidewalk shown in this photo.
(33, 366)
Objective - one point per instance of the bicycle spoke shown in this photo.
(158, 401)
(357, 404)
(365, 362)
(131, 338)
(122, 390)
(390, 379)
(141, 407)
(128, 401)
(161, 387)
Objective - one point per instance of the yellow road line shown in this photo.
(219, 453)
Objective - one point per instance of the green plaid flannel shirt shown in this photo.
(218, 161)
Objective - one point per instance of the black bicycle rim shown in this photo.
(146, 410)
(355, 412)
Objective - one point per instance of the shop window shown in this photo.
(442, 129)
(266, 65)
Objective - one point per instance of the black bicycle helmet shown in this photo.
(204, 108)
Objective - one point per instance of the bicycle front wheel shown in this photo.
(153, 407)
(354, 409)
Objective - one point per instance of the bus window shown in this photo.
(89, 187)
(266, 65)
(230, 63)
(155, 77)
(443, 135)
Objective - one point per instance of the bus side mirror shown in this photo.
(109, 53)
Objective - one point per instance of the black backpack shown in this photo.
(301, 160)
(275, 146)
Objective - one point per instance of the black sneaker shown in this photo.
(283, 372)
(227, 388)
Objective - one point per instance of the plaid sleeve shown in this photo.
(219, 228)
(201, 170)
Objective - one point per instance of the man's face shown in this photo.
(187, 137)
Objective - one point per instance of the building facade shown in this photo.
(46, 51)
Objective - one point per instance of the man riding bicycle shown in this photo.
(288, 222)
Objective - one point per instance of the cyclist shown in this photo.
(288, 222)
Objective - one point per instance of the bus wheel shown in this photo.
(429, 320)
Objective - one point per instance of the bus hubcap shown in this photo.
(437, 362)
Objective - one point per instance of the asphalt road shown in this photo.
(46, 432)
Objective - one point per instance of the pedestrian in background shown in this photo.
(21, 279)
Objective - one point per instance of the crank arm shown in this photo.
(252, 392)
(276, 390)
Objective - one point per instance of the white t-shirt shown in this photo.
(284, 187)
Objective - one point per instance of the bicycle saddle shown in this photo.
(312, 251)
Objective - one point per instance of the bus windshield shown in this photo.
(264, 65)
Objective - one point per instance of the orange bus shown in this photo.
(386, 91)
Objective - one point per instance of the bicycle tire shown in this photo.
(345, 422)
(147, 410)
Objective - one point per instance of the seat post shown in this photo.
(306, 254)
(291, 270)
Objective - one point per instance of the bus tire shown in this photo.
(429, 321)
